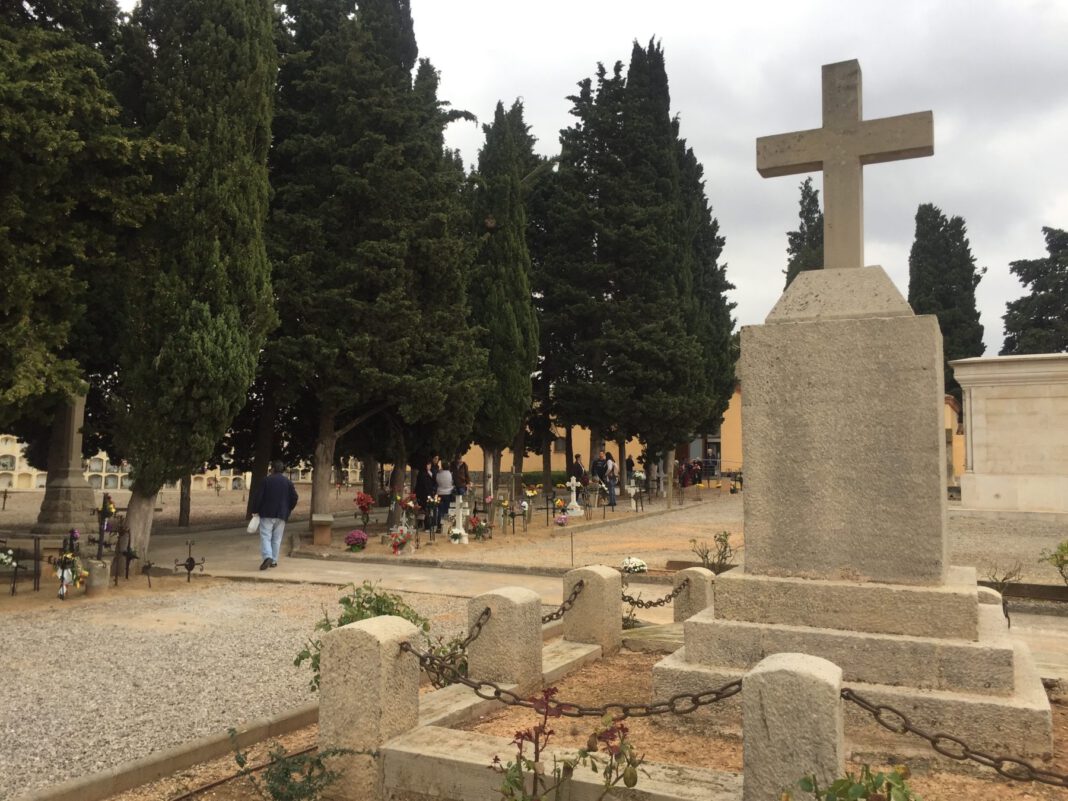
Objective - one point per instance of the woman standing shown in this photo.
(611, 475)
(445, 489)
(425, 488)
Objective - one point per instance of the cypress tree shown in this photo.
(1038, 322)
(942, 282)
(196, 303)
(500, 292)
(804, 247)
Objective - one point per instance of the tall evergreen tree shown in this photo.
(500, 279)
(366, 229)
(942, 282)
(196, 302)
(804, 247)
(1038, 322)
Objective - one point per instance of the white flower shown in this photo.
(633, 564)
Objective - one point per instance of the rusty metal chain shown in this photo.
(681, 704)
(476, 629)
(953, 747)
(638, 602)
(565, 607)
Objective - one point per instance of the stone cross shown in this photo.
(573, 507)
(461, 511)
(841, 148)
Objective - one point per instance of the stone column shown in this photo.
(68, 500)
(369, 693)
(791, 724)
(597, 616)
(698, 594)
(509, 648)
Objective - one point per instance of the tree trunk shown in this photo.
(519, 453)
(322, 461)
(569, 448)
(370, 477)
(595, 445)
(261, 456)
(185, 490)
(488, 475)
(139, 514)
(622, 464)
(669, 476)
(396, 488)
(547, 462)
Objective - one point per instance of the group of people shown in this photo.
(603, 468)
(443, 481)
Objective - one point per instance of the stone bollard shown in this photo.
(99, 578)
(791, 724)
(369, 693)
(597, 615)
(698, 593)
(322, 529)
(509, 648)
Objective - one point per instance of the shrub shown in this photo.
(872, 786)
(722, 559)
(1059, 559)
(289, 777)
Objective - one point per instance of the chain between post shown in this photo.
(638, 602)
(565, 607)
(954, 747)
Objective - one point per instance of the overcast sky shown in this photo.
(994, 72)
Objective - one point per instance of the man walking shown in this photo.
(276, 497)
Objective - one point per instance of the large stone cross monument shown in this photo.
(845, 496)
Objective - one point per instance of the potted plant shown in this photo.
(356, 540)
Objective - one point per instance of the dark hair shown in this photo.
(278, 466)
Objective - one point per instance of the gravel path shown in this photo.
(87, 686)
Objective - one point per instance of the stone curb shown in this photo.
(164, 763)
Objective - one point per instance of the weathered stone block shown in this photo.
(369, 693)
(779, 744)
(698, 595)
(509, 648)
(844, 449)
(322, 529)
(597, 615)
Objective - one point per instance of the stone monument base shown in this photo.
(65, 507)
(962, 674)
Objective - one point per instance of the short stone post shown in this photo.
(698, 594)
(369, 693)
(322, 529)
(508, 650)
(791, 724)
(597, 616)
(99, 579)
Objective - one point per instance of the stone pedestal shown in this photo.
(99, 579)
(69, 500)
(597, 616)
(698, 595)
(509, 649)
(845, 510)
(322, 529)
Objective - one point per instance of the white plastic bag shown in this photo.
(253, 524)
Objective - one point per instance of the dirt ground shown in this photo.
(627, 676)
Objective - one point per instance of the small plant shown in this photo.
(1059, 559)
(361, 603)
(398, 538)
(633, 564)
(365, 503)
(453, 653)
(456, 534)
(479, 528)
(356, 540)
(560, 520)
(722, 559)
(630, 618)
(1001, 581)
(289, 777)
(7, 558)
(875, 787)
(608, 751)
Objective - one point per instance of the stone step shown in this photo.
(948, 610)
(432, 762)
(1019, 724)
(984, 666)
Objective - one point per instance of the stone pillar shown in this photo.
(509, 648)
(698, 594)
(68, 500)
(369, 693)
(597, 616)
(99, 579)
(322, 529)
(791, 724)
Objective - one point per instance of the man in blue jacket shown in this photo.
(275, 498)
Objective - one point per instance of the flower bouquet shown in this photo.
(399, 539)
(7, 558)
(365, 503)
(633, 564)
(456, 535)
(356, 540)
(561, 519)
(479, 527)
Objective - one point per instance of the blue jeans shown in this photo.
(271, 529)
(611, 492)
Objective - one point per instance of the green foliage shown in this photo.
(360, 603)
(1058, 558)
(532, 478)
(804, 247)
(722, 559)
(942, 281)
(878, 786)
(289, 777)
(1038, 322)
(608, 751)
